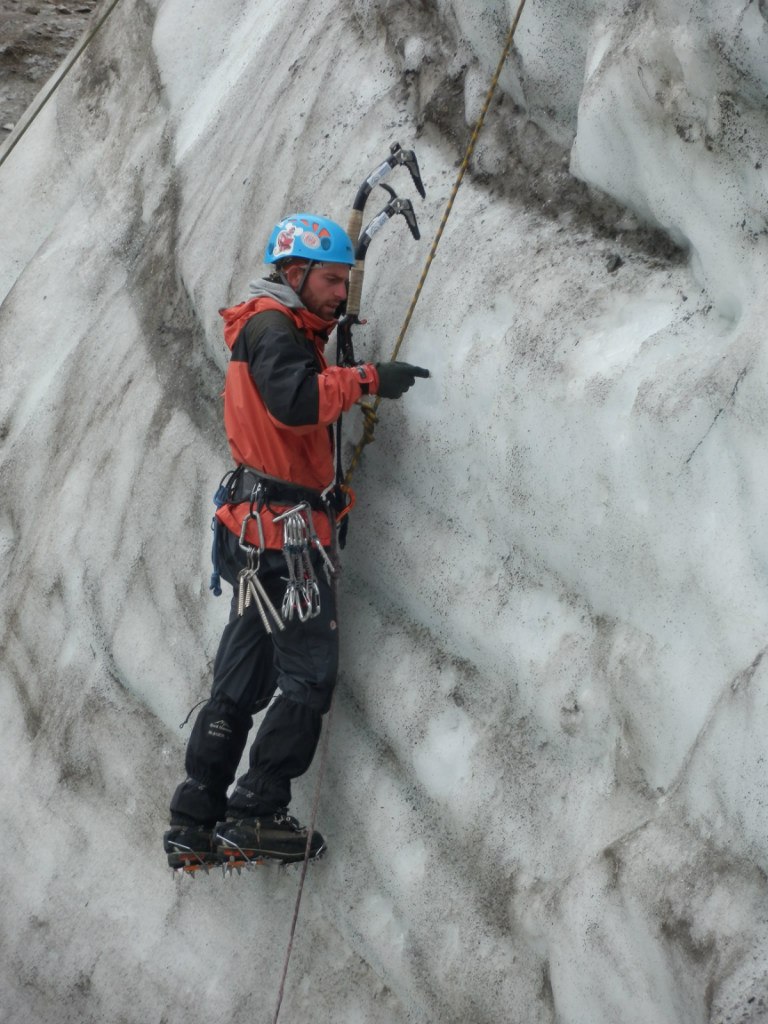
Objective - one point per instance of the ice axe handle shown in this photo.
(355, 290)
(354, 225)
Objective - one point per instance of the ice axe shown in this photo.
(345, 355)
(397, 157)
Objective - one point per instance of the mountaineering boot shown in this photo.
(190, 847)
(277, 836)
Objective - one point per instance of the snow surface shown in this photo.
(546, 790)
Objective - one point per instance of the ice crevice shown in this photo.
(670, 802)
(737, 686)
(723, 408)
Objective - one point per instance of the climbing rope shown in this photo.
(370, 417)
(310, 831)
(68, 67)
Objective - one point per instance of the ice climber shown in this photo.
(281, 399)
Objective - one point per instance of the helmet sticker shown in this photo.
(285, 239)
(310, 239)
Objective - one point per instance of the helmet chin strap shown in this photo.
(305, 275)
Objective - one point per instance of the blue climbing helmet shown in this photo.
(309, 237)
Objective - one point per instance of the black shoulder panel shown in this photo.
(283, 365)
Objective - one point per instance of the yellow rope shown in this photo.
(370, 409)
(70, 64)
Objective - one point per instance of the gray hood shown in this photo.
(274, 290)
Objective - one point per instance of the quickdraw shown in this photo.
(302, 594)
(250, 588)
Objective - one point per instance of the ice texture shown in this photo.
(545, 796)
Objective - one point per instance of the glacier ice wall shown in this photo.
(546, 777)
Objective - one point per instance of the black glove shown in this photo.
(396, 378)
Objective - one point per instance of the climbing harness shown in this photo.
(300, 540)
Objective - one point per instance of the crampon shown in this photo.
(241, 844)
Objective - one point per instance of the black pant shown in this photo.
(301, 661)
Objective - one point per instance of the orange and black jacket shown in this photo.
(281, 399)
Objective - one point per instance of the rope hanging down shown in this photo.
(370, 409)
(305, 864)
(370, 420)
(64, 72)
